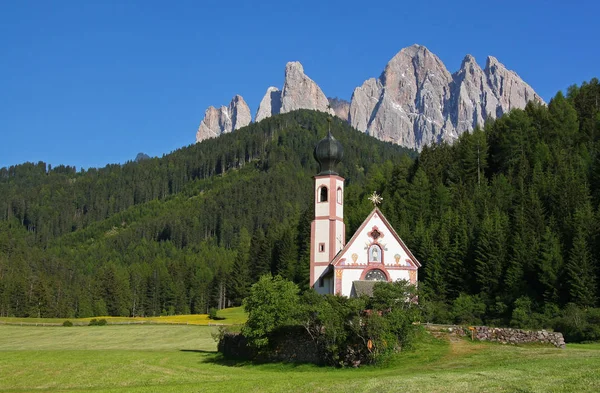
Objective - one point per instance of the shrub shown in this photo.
(354, 331)
(578, 324)
(67, 323)
(212, 313)
(273, 303)
(468, 310)
(93, 322)
(435, 312)
(97, 322)
(344, 331)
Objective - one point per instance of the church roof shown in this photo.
(388, 226)
(360, 288)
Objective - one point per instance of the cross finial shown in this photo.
(375, 199)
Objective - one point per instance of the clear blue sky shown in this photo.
(88, 83)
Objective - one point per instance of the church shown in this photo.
(374, 253)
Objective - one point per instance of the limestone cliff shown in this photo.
(225, 119)
(270, 104)
(341, 108)
(416, 101)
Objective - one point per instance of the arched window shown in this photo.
(375, 254)
(375, 275)
(323, 194)
(339, 195)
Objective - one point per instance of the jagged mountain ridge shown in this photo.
(414, 102)
(225, 119)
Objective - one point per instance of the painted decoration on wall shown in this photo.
(397, 259)
(375, 254)
(375, 233)
(354, 258)
(412, 274)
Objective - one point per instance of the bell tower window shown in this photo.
(339, 195)
(323, 194)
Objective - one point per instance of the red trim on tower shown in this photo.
(332, 203)
(331, 240)
(312, 253)
(327, 218)
(337, 177)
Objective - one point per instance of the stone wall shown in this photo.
(501, 335)
(516, 336)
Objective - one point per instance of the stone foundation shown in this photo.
(290, 344)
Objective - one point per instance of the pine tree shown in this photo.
(418, 197)
(240, 280)
(564, 125)
(581, 276)
(285, 255)
(260, 255)
(490, 254)
(456, 273)
(550, 266)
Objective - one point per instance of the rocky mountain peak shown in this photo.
(468, 61)
(416, 101)
(224, 120)
(301, 92)
(293, 67)
(270, 104)
(492, 62)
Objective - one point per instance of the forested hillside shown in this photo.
(505, 221)
(175, 234)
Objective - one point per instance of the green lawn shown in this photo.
(171, 358)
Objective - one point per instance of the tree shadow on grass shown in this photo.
(199, 351)
(214, 357)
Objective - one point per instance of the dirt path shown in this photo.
(459, 346)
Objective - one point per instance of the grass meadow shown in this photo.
(182, 358)
(229, 316)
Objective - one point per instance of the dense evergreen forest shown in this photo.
(505, 221)
(176, 234)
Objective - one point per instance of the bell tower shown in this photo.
(328, 233)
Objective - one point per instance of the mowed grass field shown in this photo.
(230, 316)
(176, 358)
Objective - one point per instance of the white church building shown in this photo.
(374, 253)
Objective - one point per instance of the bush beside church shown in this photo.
(284, 325)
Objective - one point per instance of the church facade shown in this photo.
(374, 253)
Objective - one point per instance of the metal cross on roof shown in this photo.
(375, 199)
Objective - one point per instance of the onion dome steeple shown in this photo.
(328, 153)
